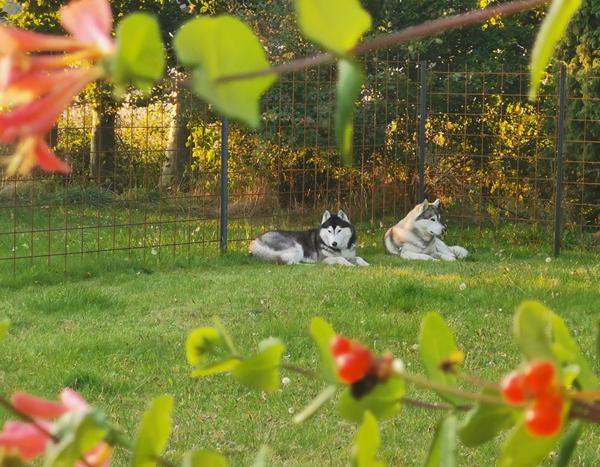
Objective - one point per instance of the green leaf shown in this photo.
(598, 339)
(384, 401)
(552, 30)
(366, 443)
(533, 330)
(4, 325)
(201, 343)
(225, 337)
(484, 422)
(11, 459)
(325, 395)
(437, 344)
(350, 79)
(210, 369)
(322, 332)
(262, 370)
(153, 433)
(442, 452)
(540, 333)
(79, 432)
(567, 351)
(204, 458)
(569, 443)
(524, 450)
(224, 46)
(261, 458)
(337, 25)
(140, 57)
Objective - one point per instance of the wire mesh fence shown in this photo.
(146, 172)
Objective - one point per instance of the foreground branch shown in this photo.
(428, 28)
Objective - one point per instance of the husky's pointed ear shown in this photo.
(342, 215)
(424, 205)
(326, 216)
(436, 203)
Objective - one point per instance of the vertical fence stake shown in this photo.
(422, 120)
(560, 138)
(224, 184)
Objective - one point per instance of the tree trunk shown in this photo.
(102, 149)
(178, 155)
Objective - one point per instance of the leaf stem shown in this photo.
(589, 396)
(427, 28)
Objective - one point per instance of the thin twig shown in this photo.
(423, 382)
(303, 371)
(419, 31)
(474, 379)
(433, 405)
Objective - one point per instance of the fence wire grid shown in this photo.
(146, 173)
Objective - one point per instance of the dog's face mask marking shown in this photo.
(429, 219)
(335, 230)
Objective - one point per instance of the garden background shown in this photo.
(146, 170)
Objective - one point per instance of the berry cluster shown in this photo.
(356, 365)
(538, 386)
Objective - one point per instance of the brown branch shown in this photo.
(585, 411)
(428, 28)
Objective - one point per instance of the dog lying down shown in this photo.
(418, 236)
(334, 242)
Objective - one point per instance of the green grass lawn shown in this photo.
(114, 328)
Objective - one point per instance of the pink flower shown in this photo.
(38, 84)
(28, 440)
(31, 439)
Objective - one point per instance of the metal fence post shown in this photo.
(224, 184)
(560, 138)
(422, 120)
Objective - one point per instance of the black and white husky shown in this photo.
(418, 236)
(334, 242)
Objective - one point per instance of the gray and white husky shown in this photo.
(334, 242)
(419, 236)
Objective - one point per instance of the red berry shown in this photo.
(353, 366)
(513, 388)
(539, 376)
(544, 418)
(340, 345)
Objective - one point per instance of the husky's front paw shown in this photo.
(337, 260)
(448, 257)
(459, 251)
(361, 262)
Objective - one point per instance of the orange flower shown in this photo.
(37, 84)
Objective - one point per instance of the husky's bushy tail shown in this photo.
(388, 243)
(290, 255)
(262, 251)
